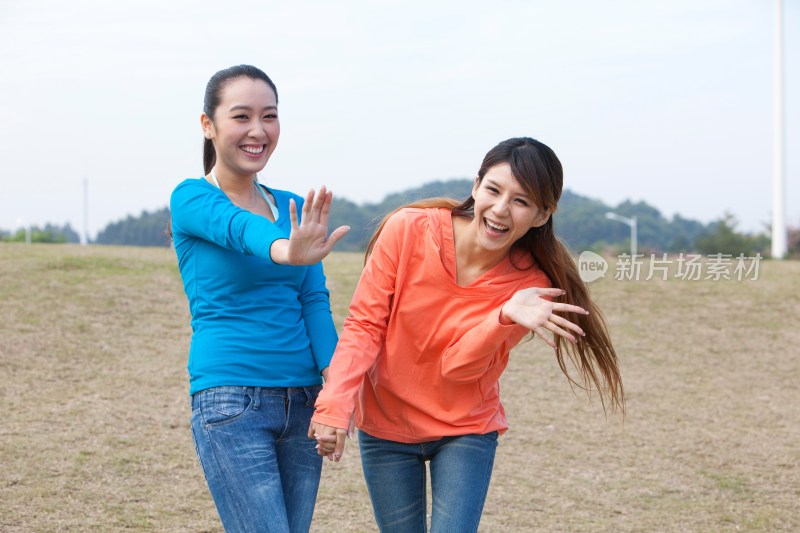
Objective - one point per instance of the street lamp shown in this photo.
(778, 159)
(27, 227)
(629, 221)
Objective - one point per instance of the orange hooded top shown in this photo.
(420, 357)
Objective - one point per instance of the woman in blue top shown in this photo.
(262, 332)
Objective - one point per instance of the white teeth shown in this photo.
(251, 150)
(494, 225)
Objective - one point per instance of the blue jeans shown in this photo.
(261, 468)
(461, 468)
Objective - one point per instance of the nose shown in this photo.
(257, 130)
(501, 206)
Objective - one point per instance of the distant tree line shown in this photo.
(580, 222)
(48, 234)
(363, 219)
(148, 229)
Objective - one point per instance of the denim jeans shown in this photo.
(261, 468)
(460, 466)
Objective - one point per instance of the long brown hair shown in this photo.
(536, 167)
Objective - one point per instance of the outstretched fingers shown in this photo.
(542, 332)
(335, 235)
(551, 291)
(293, 213)
(318, 205)
(557, 330)
(325, 206)
(559, 325)
(308, 241)
(569, 308)
(308, 205)
(566, 324)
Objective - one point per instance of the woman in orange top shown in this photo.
(447, 290)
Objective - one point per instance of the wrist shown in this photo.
(503, 317)
(279, 251)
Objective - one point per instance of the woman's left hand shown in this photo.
(309, 241)
(527, 308)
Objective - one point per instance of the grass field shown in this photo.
(95, 433)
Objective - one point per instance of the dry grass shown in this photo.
(95, 437)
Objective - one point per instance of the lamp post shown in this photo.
(630, 222)
(27, 228)
(778, 177)
(85, 236)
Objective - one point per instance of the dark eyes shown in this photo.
(270, 116)
(520, 201)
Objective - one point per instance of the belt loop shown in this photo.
(309, 398)
(256, 398)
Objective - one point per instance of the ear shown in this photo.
(208, 126)
(476, 186)
(542, 219)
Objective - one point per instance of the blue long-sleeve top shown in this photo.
(254, 322)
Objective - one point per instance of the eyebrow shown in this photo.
(522, 194)
(248, 108)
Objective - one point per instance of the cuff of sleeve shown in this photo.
(334, 421)
(259, 235)
(268, 255)
(501, 331)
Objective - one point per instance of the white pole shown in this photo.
(630, 222)
(85, 236)
(778, 220)
(27, 228)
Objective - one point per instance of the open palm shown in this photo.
(309, 241)
(527, 308)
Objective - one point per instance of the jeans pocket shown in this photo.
(223, 406)
(314, 394)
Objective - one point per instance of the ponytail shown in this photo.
(209, 156)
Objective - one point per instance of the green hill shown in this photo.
(580, 222)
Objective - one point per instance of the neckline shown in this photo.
(260, 188)
(448, 256)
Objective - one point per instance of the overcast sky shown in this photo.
(670, 101)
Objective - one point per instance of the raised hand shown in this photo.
(527, 308)
(309, 241)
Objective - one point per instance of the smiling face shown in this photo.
(244, 127)
(504, 210)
